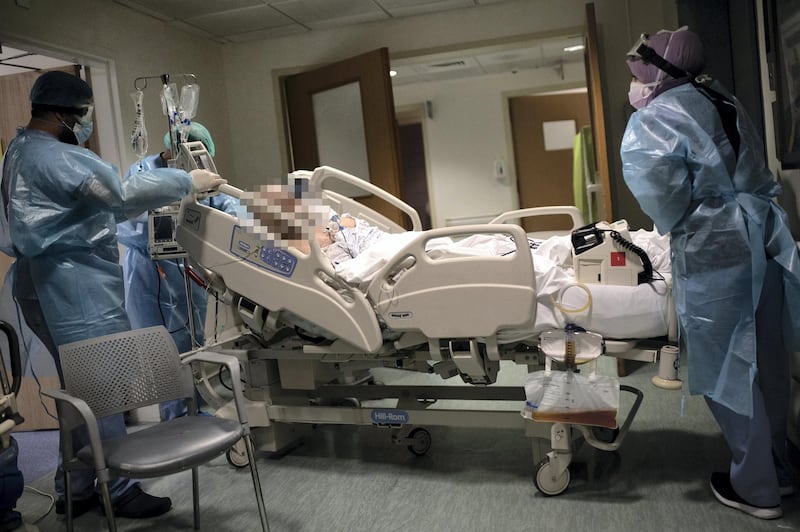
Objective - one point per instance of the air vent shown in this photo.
(449, 64)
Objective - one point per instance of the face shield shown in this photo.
(636, 50)
(83, 126)
(642, 50)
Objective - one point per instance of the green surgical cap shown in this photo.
(60, 89)
(197, 132)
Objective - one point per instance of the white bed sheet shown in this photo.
(615, 312)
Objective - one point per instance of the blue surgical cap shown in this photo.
(60, 89)
(197, 132)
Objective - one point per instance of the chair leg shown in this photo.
(112, 525)
(196, 497)
(68, 497)
(251, 455)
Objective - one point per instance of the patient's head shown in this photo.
(284, 215)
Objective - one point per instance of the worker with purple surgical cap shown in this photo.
(695, 164)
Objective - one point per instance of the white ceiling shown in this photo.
(15, 61)
(232, 21)
(229, 21)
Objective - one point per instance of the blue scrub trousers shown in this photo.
(760, 461)
(83, 480)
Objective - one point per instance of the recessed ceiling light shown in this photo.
(575, 48)
(392, 73)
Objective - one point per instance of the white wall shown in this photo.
(469, 131)
(252, 70)
(239, 101)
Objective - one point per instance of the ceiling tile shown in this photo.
(194, 30)
(39, 62)
(6, 70)
(185, 9)
(270, 33)
(328, 13)
(405, 8)
(240, 20)
(18, 59)
(7, 51)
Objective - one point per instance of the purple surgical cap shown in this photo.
(685, 52)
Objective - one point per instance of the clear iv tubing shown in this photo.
(557, 299)
(139, 133)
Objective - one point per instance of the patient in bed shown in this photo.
(290, 216)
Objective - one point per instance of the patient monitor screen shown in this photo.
(161, 234)
(163, 228)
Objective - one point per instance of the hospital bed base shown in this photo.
(279, 423)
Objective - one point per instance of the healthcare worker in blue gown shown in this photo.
(61, 205)
(695, 163)
(155, 290)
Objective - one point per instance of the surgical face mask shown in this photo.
(84, 126)
(640, 92)
(82, 129)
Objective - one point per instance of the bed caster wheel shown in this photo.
(420, 441)
(547, 482)
(605, 434)
(237, 455)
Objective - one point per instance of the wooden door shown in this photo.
(544, 166)
(370, 72)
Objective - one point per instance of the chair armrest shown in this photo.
(232, 363)
(79, 406)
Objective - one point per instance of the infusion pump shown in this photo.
(163, 222)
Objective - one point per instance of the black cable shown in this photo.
(158, 296)
(222, 368)
(646, 275)
(308, 337)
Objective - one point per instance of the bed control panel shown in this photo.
(256, 251)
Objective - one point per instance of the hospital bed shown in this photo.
(308, 342)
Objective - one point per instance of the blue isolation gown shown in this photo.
(724, 225)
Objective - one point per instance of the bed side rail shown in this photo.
(277, 279)
(516, 217)
(456, 297)
(342, 204)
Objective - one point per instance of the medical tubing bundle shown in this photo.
(178, 107)
(139, 133)
(556, 299)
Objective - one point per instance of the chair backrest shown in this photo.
(125, 371)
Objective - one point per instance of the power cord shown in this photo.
(43, 494)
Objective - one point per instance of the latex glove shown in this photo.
(203, 180)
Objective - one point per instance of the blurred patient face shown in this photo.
(284, 215)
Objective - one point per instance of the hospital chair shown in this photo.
(124, 371)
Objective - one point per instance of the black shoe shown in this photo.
(10, 520)
(136, 504)
(723, 491)
(79, 506)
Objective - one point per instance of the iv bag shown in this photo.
(139, 133)
(190, 94)
(168, 102)
(168, 106)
